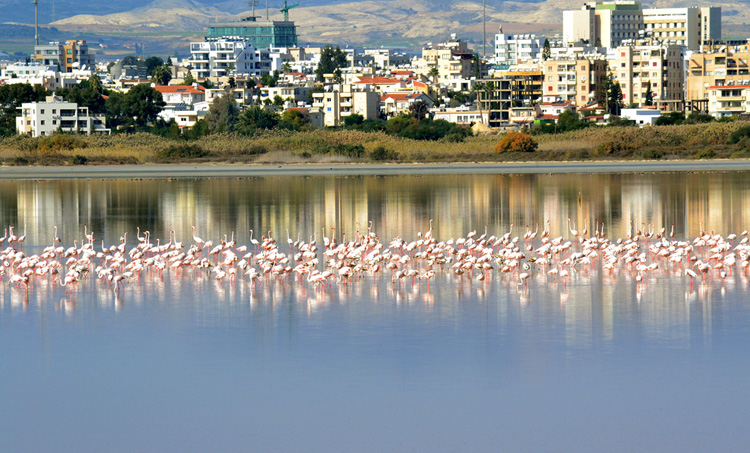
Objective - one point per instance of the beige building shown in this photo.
(690, 27)
(728, 100)
(573, 80)
(611, 23)
(718, 65)
(660, 66)
(453, 59)
(340, 102)
(55, 115)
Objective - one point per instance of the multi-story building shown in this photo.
(512, 49)
(611, 23)
(67, 56)
(392, 104)
(718, 65)
(452, 59)
(341, 101)
(690, 27)
(53, 115)
(603, 23)
(728, 100)
(261, 34)
(574, 80)
(661, 68)
(186, 104)
(225, 57)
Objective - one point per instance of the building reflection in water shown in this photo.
(594, 310)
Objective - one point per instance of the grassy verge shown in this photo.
(665, 142)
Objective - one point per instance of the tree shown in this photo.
(434, 72)
(11, 98)
(569, 121)
(143, 104)
(649, 95)
(232, 82)
(162, 75)
(255, 118)
(296, 120)
(269, 80)
(337, 76)
(84, 95)
(330, 60)
(286, 68)
(614, 98)
(546, 51)
(419, 109)
(189, 79)
(278, 100)
(96, 84)
(222, 115)
(152, 63)
(130, 60)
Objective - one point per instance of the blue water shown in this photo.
(190, 364)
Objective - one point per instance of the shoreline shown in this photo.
(188, 171)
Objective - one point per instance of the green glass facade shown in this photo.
(260, 34)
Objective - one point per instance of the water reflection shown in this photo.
(592, 310)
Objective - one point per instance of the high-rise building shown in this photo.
(512, 49)
(612, 23)
(574, 79)
(262, 34)
(223, 57)
(659, 67)
(67, 56)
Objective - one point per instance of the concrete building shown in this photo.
(452, 59)
(608, 23)
(45, 118)
(341, 101)
(691, 27)
(513, 49)
(574, 80)
(186, 104)
(68, 56)
(642, 117)
(461, 115)
(717, 65)
(224, 57)
(612, 23)
(660, 67)
(729, 100)
(393, 104)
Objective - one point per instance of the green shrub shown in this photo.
(650, 153)
(706, 153)
(738, 135)
(182, 151)
(321, 148)
(349, 150)
(615, 148)
(383, 153)
(19, 161)
(516, 142)
(59, 142)
(255, 149)
(79, 160)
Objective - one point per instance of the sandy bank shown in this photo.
(150, 171)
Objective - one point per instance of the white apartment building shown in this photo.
(728, 100)
(45, 118)
(223, 57)
(46, 76)
(513, 49)
(186, 104)
(612, 23)
(690, 27)
(340, 102)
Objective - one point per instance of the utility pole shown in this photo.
(36, 21)
(484, 29)
(266, 9)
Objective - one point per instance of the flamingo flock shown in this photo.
(645, 255)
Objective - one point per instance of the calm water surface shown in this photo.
(192, 364)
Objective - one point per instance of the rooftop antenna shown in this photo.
(266, 9)
(252, 4)
(484, 28)
(36, 21)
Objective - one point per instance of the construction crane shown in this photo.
(286, 9)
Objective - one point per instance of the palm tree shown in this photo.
(434, 72)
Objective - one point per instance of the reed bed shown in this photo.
(684, 141)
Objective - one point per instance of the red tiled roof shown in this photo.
(558, 104)
(179, 89)
(401, 72)
(728, 87)
(400, 96)
(378, 80)
(549, 117)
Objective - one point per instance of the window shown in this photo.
(42, 122)
(41, 111)
(549, 89)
